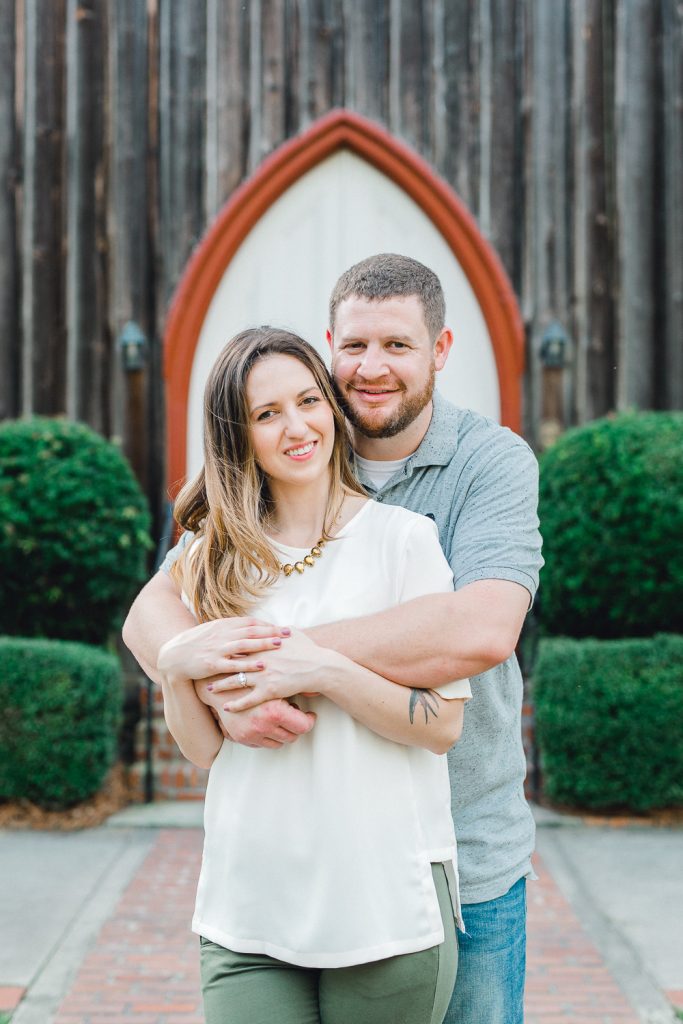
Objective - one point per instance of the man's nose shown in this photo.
(373, 363)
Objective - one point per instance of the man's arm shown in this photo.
(415, 717)
(158, 621)
(430, 640)
(156, 616)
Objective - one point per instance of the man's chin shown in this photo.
(376, 424)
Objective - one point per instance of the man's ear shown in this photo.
(330, 340)
(442, 347)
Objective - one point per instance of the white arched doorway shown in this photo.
(278, 262)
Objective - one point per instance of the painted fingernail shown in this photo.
(286, 631)
(210, 686)
(260, 664)
(277, 643)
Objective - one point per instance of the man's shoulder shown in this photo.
(475, 433)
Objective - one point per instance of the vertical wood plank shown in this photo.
(460, 127)
(592, 252)
(10, 338)
(42, 270)
(182, 118)
(672, 37)
(411, 102)
(273, 92)
(501, 169)
(254, 118)
(634, 159)
(366, 57)
(227, 42)
(86, 351)
(128, 223)
(547, 288)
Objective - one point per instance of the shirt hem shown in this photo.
(346, 959)
(499, 572)
(483, 894)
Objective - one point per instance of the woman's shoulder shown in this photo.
(397, 518)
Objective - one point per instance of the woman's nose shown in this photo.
(295, 423)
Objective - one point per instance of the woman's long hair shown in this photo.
(228, 502)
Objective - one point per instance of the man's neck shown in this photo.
(388, 449)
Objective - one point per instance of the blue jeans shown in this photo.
(489, 988)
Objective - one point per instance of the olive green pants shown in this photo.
(415, 988)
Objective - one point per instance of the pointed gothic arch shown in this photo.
(338, 130)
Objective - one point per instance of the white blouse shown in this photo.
(319, 853)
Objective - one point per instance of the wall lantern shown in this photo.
(132, 345)
(555, 347)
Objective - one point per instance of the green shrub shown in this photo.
(611, 509)
(61, 707)
(73, 531)
(608, 721)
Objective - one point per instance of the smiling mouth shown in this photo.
(303, 449)
(373, 391)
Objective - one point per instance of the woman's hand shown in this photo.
(219, 647)
(298, 667)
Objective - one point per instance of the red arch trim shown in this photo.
(337, 130)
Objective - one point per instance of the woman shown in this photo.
(328, 890)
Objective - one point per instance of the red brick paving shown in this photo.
(567, 980)
(10, 997)
(143, 968)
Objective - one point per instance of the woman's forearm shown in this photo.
(416, 717)
(191, 723)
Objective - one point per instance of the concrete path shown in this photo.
(95, 924)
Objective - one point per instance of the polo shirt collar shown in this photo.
(440, 443)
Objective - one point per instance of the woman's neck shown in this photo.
(298, 514)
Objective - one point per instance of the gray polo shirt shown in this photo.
(479, 482)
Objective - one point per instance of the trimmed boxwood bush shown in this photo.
(608, 721)
(611, 510)
(61, 707)
(74, 531)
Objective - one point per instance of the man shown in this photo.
(478, 481)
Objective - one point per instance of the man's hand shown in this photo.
(220, 647)
(269, 725)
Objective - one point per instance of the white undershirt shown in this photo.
(319, 853)
(379, 472)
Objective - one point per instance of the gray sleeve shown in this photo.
(496, 534)
(175, 552)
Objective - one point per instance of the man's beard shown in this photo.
(407, 412)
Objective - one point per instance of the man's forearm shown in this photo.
(432, 640)
(156, 616)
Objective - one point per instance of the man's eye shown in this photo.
(353, 346)
(397, 344)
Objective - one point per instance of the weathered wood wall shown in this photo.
(126, 124)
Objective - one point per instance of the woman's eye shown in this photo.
(311, 400)
(265, 415)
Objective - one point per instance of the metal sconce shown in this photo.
(132, 344)
(555, 347)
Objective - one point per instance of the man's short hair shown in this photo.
(388, 276)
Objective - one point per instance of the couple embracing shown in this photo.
(334, 635)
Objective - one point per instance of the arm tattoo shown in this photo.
(427, 700)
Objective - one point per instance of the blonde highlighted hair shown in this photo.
(231, 564)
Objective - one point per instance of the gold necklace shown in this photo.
(308, 559)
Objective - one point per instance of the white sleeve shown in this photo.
(425, 570)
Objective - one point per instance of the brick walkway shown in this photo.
(143, 968)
